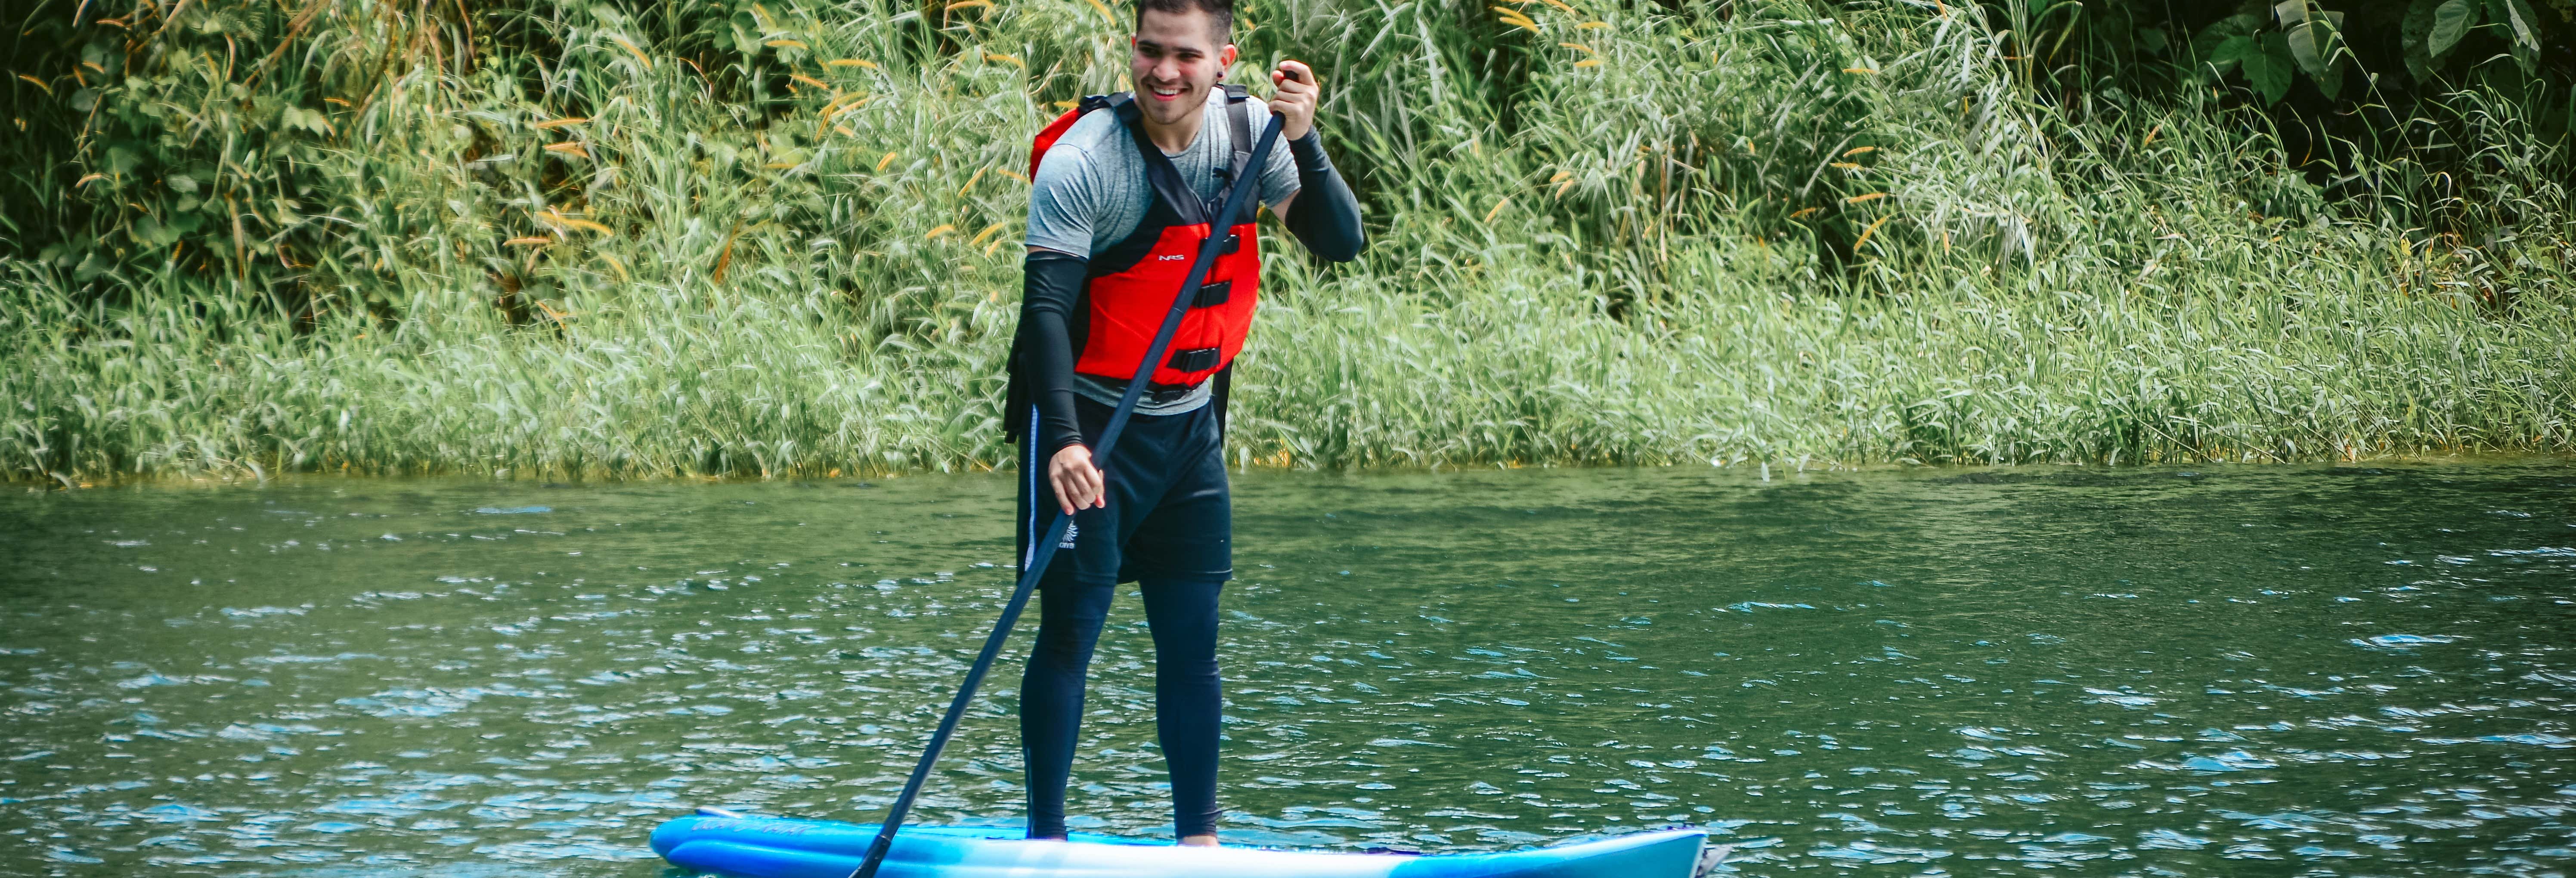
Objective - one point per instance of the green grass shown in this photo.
(1674, 255)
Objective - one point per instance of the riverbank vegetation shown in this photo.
(588, 237)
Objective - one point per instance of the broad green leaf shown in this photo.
(150, 231)
(2152, 40)
(2451, 21)
(2206, 43)
(2224, 58)
(92, 265)
(2517, 17)
(2415, 34)
(2269, 69)
(2331, 81)
(2313, 38)
(2312, 50)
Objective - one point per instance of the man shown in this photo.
(1123, 197)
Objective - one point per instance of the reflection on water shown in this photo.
(2296, 670)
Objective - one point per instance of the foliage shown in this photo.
(591, 236)
(2399, 102)
(2268, 45)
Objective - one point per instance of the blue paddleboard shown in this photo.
(769, 847)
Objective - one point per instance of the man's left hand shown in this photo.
(1292, 98)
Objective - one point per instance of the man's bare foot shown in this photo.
(1198, 841)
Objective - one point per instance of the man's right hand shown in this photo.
(1293, 99)
(1077, 482)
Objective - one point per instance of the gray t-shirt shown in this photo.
(1091, 192)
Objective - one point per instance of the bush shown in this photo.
(766, 237)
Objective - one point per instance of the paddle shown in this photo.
(1045, 548)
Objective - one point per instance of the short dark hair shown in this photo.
(1221, 10)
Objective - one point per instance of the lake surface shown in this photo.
(2326, 670)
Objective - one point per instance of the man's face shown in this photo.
(1177, 61)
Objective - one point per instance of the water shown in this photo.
(2262, 671)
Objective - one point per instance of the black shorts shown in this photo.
(1169, 514)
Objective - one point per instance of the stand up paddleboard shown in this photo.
(769, 847)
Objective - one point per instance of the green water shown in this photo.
(2260, 671)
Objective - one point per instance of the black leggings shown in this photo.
(1187, 694)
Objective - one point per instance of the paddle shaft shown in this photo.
(1220, 228)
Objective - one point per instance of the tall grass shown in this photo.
(594, 238)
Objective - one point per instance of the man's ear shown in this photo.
(1225, 58)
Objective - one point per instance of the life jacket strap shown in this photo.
(1055, 130)
(1155, 392)
(1238, 114)
(1160, 174)
(1195, 359)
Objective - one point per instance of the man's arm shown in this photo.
(1327, 219)
(1062, 202)
(1050, 286)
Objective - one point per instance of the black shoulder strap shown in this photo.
(1165, 179)
(1238, 114)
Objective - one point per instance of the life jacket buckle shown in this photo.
(1213, 293)
(1195, 359)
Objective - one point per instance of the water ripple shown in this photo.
(2084, 674)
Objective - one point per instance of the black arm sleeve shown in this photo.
(1050, 291)
(1325, 216)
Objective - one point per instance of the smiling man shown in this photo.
(1126, 190)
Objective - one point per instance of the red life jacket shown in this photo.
(1131, 284)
